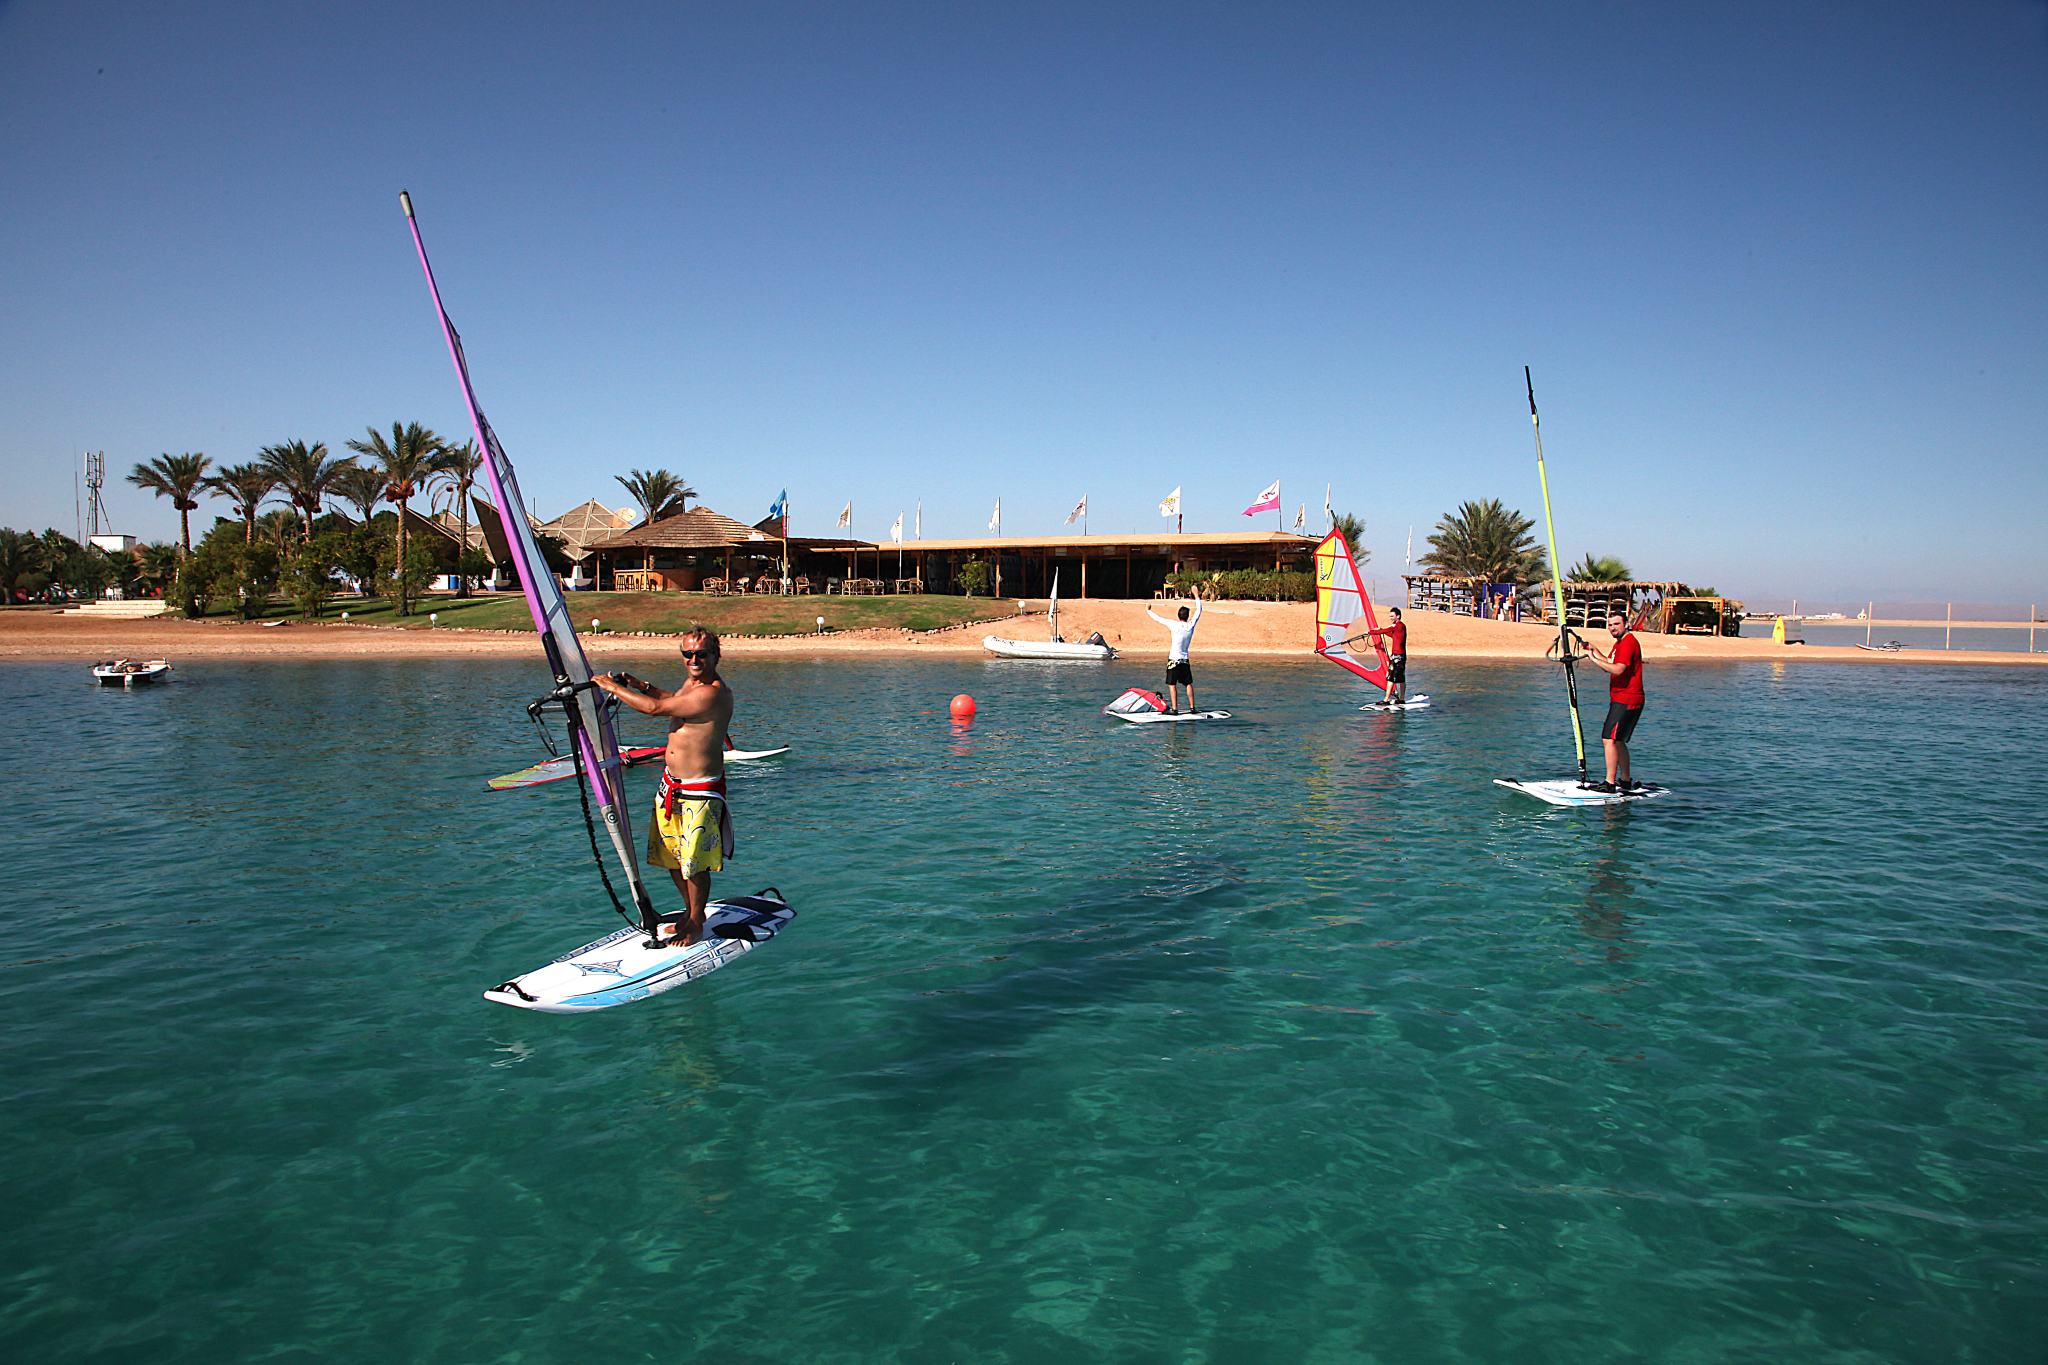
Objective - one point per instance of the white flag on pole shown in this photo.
(919, 532)
(846, 516)
(1328, 513)
(1171, 506)
(1301, 516)
(995, 519)
(1268, 501)
(896, 531)
(1080, 511)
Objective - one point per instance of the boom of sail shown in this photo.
(1344, 612)
(593, 739)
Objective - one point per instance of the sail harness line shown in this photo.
(1564, 632)
(587, 711)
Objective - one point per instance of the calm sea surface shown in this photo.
(1287, 1039)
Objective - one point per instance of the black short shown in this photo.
(1621, 721)
(1177, 671)
(1397, 668)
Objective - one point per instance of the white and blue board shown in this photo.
(1418, 702)
(623, 967)
(1569, 791)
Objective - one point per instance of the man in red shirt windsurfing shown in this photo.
(1624, 668)
(1397, 657)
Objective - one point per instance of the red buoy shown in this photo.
(963, 707)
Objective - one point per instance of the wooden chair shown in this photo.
(803, 586)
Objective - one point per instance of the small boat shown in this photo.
(128, 672)
(1094, 647)
(1888, 647)
(1045, 649)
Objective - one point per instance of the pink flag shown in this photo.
(1268, 501)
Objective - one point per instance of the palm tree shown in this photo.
(177, 477)
(21, 554)
(1354, 536)
(1487, 541)
(361, 487)
(659, 493)
(306, 474)
(405, 461)
(276, 526)
(1605, 569)
(456, 471)
(159, 565)
(246, 486)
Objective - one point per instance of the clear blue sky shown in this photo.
(1781, 268)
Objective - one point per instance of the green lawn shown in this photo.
(671, 613)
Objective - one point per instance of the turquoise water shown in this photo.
(1289, 1039)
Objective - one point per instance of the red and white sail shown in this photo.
(1344, 613)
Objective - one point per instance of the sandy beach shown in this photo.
(1279, 630)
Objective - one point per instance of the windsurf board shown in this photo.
(1418, 702)
(1569, 791)
(555, 769)
(623, 966)
(1156, 717)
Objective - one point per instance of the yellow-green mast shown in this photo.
(1564, 635)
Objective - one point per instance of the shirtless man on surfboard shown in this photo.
(690, 832)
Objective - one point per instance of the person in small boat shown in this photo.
(1397, 657)
(690, 832)
(1180, 633)
(1623, 666)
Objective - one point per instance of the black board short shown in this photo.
(1621, 721)
(1397, 668)
(1177, 671)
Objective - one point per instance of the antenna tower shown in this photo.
(97, 519)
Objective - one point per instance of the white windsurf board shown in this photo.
(623, 967)
(1569, 791)
(555, 769)
(1157, 717)
(1418, 702)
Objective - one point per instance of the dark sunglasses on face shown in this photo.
(698, 653)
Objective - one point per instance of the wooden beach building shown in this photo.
(702, 550)
(1661, 608)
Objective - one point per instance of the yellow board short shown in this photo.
(690, 841)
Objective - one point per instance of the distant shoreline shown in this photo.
(1270, 630)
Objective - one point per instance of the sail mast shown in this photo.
(1564, 636)
(596, 742)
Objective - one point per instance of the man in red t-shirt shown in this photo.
(1397, 657)
(1624, 668)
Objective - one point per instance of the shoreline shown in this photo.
(1237, 630)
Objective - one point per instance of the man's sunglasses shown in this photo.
(698, 653)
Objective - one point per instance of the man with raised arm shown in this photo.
(1179, 634)
(690, 833)
(1624, 668)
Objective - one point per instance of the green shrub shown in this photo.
(1246, 585)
